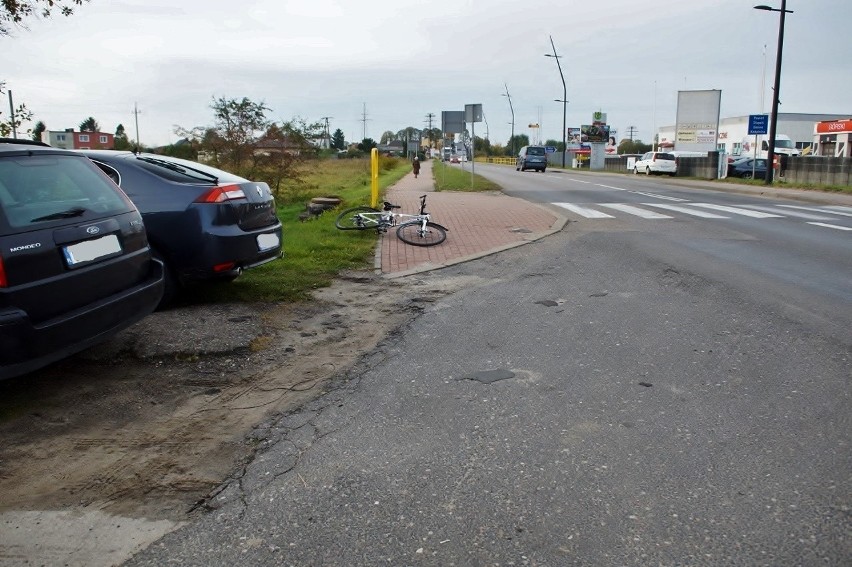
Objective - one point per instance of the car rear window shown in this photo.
(665, 156)
(184, 171)
(535, 151)
(45, 188)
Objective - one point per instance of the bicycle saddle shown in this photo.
(389, 206)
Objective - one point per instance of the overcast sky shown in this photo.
(377, 65)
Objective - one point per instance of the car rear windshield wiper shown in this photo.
(67, 214)
(185, 169)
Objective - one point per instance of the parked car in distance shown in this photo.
(531, 157)
(656, 162)
(75, 266)
(205, 224)
(746, 168)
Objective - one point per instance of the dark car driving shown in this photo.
(203, 223)
(531, 157)
(75, 266)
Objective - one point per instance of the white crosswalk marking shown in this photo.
(666, 197)
(737, 211)
(679, 209)
(584, 212)
(831, 225)
(611, 187)
(787, 213)
(839, 208)
(818, 210)
(630, 209)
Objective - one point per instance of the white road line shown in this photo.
(684, 210)
(831, 226)
(787, 213)
(737, 211)
(583, 211)
(630, 209)
(666, 197)
(839, 208)
(611, 187)
(818, 210)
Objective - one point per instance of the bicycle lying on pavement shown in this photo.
(417, 230)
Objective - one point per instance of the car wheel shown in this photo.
(746, 175)
(635, 171)
(647, 171)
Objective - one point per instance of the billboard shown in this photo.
(697, 125)
(594, 133)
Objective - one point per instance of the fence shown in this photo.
(818, 170)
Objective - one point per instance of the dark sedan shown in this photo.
(746, 168)
(202, 222)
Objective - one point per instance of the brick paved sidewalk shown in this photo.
(478, 224)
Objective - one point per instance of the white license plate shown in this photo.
(92, 249)
(267, 241)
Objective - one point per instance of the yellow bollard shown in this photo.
(374, 170)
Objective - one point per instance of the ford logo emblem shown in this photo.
(93, 230)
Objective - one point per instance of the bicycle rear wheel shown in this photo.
(411, 233)
(351, 219)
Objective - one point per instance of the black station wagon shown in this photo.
(75, 266)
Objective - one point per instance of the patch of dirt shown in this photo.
(148, 424)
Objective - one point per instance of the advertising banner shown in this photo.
(697, 125)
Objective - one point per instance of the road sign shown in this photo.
(758, 124)
(550, 149)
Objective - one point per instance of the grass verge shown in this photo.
(454, 178)
(314, 250)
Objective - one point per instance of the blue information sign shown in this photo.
(757, 124)
(549, 149)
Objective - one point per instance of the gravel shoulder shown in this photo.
(105, 452)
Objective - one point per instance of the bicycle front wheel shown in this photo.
(413, 233)
(358, 218)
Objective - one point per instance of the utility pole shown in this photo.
(136, 112)
(631, 131)
(327, 133)
(364, 120)
(12, 116)
(429, 117)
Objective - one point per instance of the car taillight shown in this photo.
(221, 194)
(3, 281)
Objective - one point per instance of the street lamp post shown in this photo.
(564, 102)
(773, 119)
(507, 95)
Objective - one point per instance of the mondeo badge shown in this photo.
(93, 230)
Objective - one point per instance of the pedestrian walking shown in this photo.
(416, 167)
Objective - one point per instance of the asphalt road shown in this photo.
(630, 391)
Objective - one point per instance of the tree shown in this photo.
(338, 142)
(120, 141)
(238, 124)
(516, 143)
(13, 12)
(388, 137)
(15, 121)
(366, 145)
(90, 125)
(628, 146)
(39, 128)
